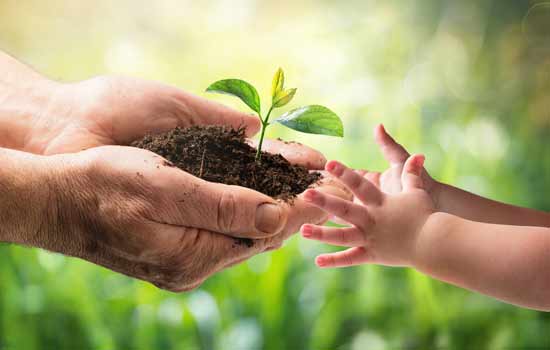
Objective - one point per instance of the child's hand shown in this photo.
(390, 180)
(384, 227)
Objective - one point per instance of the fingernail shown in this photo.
(320, 261)
(334, 168)
(309, 195)
(268, 218)
(307, 231)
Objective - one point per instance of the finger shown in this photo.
(352, 213)
(358, 185)
(342, 236)
(348, 257)
(200, 111)
(200, 254)
(232, 210)
(179, 198)
(302, 212)
(157, 108)
(242, 212)
(394, 153)
(337, 220)
(229, 251)
(411, 177)
(294, 152)
(374, 178)
(330, 181)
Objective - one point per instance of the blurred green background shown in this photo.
(465, 82)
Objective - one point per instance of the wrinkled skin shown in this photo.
(125, 209)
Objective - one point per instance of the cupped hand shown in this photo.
(128, 210)
(116, 110)
(148, 220)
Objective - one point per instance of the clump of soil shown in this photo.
(220, 154)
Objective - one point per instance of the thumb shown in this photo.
(411, 176)
(232, 210)
(393, 152)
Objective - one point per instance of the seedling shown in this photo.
(312, 119)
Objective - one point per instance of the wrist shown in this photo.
(25, 196)
(66, 177)
(437, 226)
(22, 104)
(36, 197)
(436, 190)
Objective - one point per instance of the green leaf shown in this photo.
(313, 119)
(278, 83)
(283, 97)
(240, 88)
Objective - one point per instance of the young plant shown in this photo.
(313, 119)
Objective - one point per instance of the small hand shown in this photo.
(384, 227)
(389, 181)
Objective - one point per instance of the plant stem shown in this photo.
(265, 123)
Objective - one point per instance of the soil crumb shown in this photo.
(244, 241)
(220, 154)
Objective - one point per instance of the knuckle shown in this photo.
(343, 237)
(318, 233)
(226, 211)
(368, 218)
(273, 246)
(179, 273)
(274, 242)
(348, 259)
(175, 279)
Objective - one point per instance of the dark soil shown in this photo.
(219, 154)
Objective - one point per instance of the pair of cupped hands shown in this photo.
(124, 209)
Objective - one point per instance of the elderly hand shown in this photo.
(116, 110)
(122, 208)
(126, 209)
